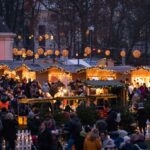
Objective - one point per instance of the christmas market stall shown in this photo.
(99, 73)
(24, 71)
(54, 74)
(140, 75)
(106, 90)
(122, 72)
(6, 70)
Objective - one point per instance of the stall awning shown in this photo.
(103, 83)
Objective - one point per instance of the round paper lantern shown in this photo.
(46, 36)
(49, 52)
(20, 52)
(23, 50)
(45, 53)
(65, 52)
(15, 50)
(85, 55)
(123, 53)
(99, 51)
(29, 53)
(107, 52)
(36, 56)
(57, 52)
(40, 51)
(136, 53)
(87, 50)
(40, 38)
(24, 55)
(77, 54)
(19, 37)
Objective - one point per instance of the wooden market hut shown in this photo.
(98, 73)
(122, 72)
(106, 90)
(140, 75)
(53, 74)
(24, 71)
(4, 69)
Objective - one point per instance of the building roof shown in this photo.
(103, 83)
(3, 26)
(120, 68)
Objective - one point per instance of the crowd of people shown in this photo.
(46, 135)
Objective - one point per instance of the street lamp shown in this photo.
(91, 29)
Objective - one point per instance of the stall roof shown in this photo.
(120, 68)
(103, 83)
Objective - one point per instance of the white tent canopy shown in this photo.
(75, 62)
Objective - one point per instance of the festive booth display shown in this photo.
(140, 75)
(99, 74)
(24, 71)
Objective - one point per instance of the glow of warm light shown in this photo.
(57, 52)
(40, 38)
(24, 55)
(29, 53)
(40, 51)
(107, 52)
(19, 37)
(136, 53)
(52, 37)
(87, 50)
(15, 50)
(45, 53)
(46, 36)
(36, 56)
(77, 54)
(85, 55)
(99, 91)
(99, 51)
(65, 53)
(123, 53)
(49, 52)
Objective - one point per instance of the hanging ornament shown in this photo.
(45, 53)
(36, 56)
(136, 53)
(87, 50)
(15, 50)
(99, 51)
(123, 53)
(107, 52)
(40, 51)
(40, 38)
(65, 53)
(46, 36)
(57, 52)
(29, 53)
(49, 52)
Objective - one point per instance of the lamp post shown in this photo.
(78, 47)
(91, 29)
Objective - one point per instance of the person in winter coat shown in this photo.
(10, 126)
(44, 138)
(92, 141)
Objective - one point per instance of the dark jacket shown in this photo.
(45, 140)
(10, 128)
